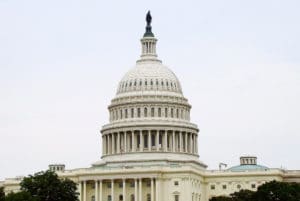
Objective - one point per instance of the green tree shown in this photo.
(243, 195)
(20, 196)
(2, 194)
(278, 191)
(46, 186)
(221, 198)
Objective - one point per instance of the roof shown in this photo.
(242, 168)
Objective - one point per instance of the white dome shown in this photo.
(149, 76)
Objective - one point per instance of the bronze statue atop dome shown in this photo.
(148, 18)
(148, 32)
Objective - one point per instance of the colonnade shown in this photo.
(153, 194)
(149, 140)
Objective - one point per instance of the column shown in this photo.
(112, 143)
(135, 190)
(84, 191)
(100, 196)
(103, 145)
(195, 147)
(149, 141)
(165, 141)
(152, 189)
(140, 189)
(124, 190)
(157, 140)
(80, 190)
(109, 143)
(157, 186)
(191, 143)
(96, 191)
(180, 141)
(125, 141)
(196, 143)
(118, 142)
(132, 141)
(141, 141)
(112, 190)
(186, 139)
(173, 141)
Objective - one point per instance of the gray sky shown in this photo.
(61, 61)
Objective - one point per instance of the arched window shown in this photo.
(145, 112)
(172, 112)
(176, 198)
(120, 197)
(159, 112)
(152, 112)
(139, 112)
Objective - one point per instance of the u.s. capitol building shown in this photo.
(149, 146)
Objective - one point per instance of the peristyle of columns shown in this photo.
(142, 140)
(99, 189)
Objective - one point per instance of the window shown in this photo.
(176, 183)
(139, 112)
(108, 185)
(224, 187)
(120, 197)
(148, 183)
(93, 198)
(148, 197)
(238, 186)
(126, 113)
(159, 112)
(176, 198)
(132, 112)
(121, 185)
(166, 112)
(172, 112)
(212, 187)
(145, 112)
(253, 186)
(132, 184)
(131, 197)
(109, 198)
(152, 112)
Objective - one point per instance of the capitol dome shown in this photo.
(149, 118)
(149, 77)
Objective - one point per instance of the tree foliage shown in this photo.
(2, 194)
(20, 196)
(46, 186)
(271, 191)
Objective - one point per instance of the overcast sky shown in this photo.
(61, 61)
